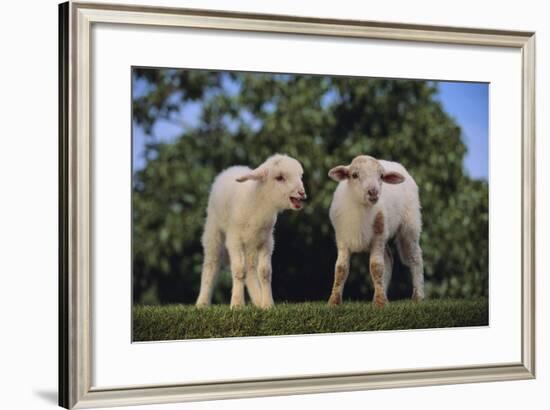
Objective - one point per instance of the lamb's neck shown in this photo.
(261, 206)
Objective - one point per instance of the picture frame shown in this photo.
(76, 214)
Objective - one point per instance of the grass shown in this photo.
(176, 322)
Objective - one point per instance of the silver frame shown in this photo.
(75, 354)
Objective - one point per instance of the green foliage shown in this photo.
(177, 322)
(323, 122)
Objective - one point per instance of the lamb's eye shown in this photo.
(280, 178)
(355, 175)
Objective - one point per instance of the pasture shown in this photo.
(177, 322)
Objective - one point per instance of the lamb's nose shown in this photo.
(302, 194)
(373, 192)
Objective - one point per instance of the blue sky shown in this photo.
(467, 103)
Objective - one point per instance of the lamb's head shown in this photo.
(365, 176)
(280, 178)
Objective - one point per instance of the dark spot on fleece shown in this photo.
(378, 225)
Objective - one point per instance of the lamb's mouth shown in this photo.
(296, 202)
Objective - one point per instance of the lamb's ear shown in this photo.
(258, 174)
(339, 173)
(392, 177)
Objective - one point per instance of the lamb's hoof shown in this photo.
(379, 301)
(417, 296)
(335, 300)
(202, 305)
(236, 306)
(267, 306)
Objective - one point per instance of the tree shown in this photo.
(323, 121)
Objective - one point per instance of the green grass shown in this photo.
(176, 322)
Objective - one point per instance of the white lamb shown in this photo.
(242, 211)
(375, 201)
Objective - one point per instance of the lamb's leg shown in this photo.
(212, 241)
(237, 260)
(388, 267)
(264, 273)
(411, 255)
(378, 271)
(341, 272)
(417, 272)
(251, 279)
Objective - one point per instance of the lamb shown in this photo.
(241, 214)
(375, 201)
